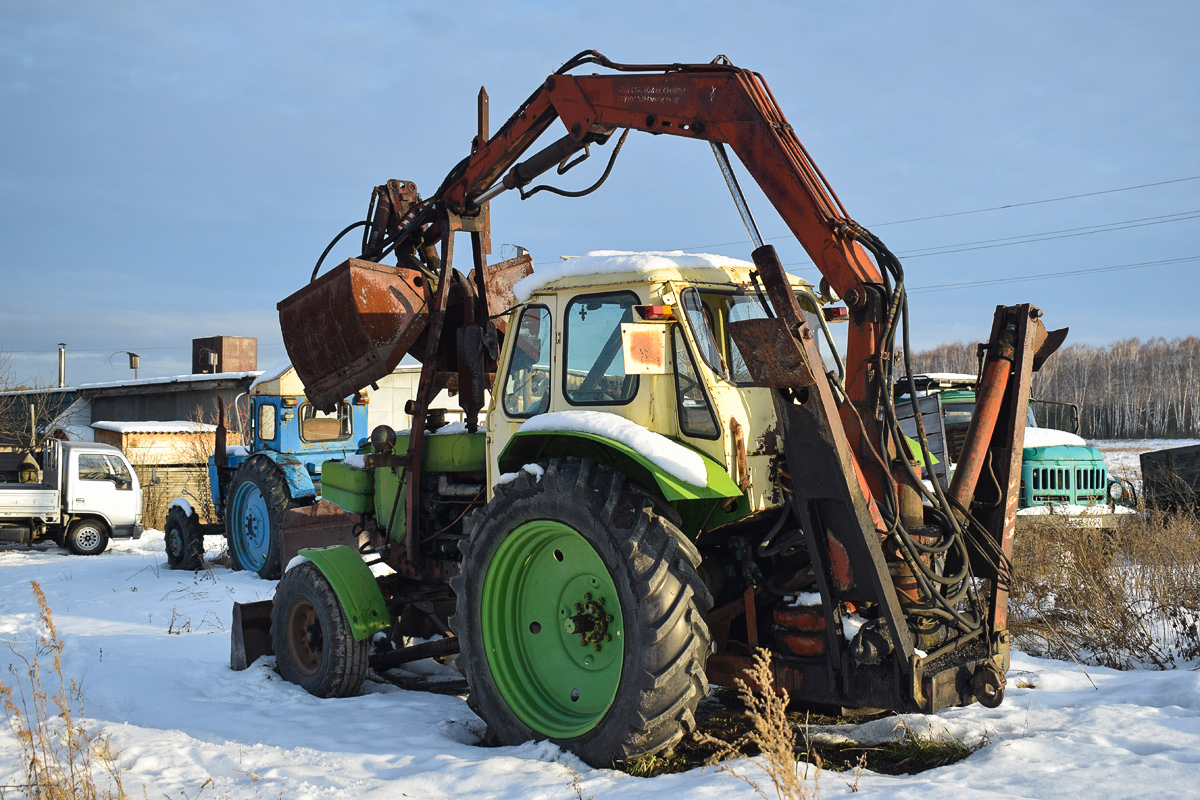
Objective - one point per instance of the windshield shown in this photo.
(709, 314)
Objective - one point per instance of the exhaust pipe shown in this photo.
(62, 365)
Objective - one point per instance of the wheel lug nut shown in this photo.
(596, 648)
(582, 642)
(600, 601)
(607, 638)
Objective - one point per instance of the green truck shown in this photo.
(1061, 473)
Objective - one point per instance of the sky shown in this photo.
(173, 170)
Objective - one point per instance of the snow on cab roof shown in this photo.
(668, 263)
(274, 372)
(153, 426)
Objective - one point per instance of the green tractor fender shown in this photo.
(694, 503)
(356, 588)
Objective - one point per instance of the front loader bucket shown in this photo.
(319, 525)
(251, 634)
(351, 327)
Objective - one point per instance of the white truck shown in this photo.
(78, 494)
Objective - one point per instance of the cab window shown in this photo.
(696, 416)
(325, 426)
(96, 467)
(709, 314)
(266, 422)
(527, 385)
(595, 373)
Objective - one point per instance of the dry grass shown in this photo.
(1125, 598)
(772, 735)
(63, 757)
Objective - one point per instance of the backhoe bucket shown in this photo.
(251, 633)
(351, 327)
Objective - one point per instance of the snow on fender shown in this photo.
(674, 459)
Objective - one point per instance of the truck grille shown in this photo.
(1078, 486)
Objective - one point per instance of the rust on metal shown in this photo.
(318, 525)
(779, 362)
(739, 448)
(351, 327)
(499, 279)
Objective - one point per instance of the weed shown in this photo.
(61, 753)
(772, 735)
(1118, 598)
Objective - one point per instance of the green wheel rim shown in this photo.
(552, 629)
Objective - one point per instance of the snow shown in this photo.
(949, 376)
(273, 373)
(180, 502)
(612, 262)
(355, 460)
(536, 470)
(154, 426)
(150, 649)
(686, 465)
(213, 376)
(805, 599)
(1049, 437)
(236, 450)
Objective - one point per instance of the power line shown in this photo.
(1066, 233)
(954, 214)
(941, 287)
(1035, 202)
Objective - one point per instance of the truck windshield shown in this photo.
(709, 314)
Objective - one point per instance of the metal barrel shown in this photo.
(350, 327)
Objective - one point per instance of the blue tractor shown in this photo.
(253, 486)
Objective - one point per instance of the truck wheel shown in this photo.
(87, 537)
(581, 615)
(313, 643)
(184, 541)
(258, 498)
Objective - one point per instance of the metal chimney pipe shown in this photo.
(62, 364)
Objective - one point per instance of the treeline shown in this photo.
(1128, 390)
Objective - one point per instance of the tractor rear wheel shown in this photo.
(184, 541)
(581, 615)
(313, 643)
(258, 499)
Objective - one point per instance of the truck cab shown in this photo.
(1059, 468)
(80, 494)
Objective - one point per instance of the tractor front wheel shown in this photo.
(258, 499)
(183, 539)
(313, 643)
(581, 615)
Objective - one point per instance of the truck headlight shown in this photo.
(1116, 490)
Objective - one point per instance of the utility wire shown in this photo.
(1034, 202)
(950, 214)
(941, 287)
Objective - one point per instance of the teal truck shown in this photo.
(1060, 473)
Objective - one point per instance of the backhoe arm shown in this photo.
(715, 103)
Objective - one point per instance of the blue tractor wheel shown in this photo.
(258, 499)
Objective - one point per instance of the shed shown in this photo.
(170, 459)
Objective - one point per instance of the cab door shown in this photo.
(102, 484)
(525, 384)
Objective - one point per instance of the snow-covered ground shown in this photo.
(150, 648)
(1122, 455)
